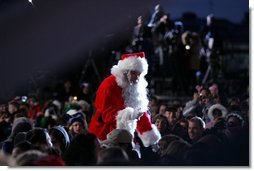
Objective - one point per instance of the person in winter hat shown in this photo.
(21, 124)
(76, 126)
(215, 113)
(60, 138)
(121, 101)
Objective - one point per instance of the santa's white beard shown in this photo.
(135, 95)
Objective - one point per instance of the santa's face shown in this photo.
(133, 76)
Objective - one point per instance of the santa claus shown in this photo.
(122, 102)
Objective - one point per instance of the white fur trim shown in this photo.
(150, 137)
(130, 63)
(124, 120)
(216, 106)
(134, 63)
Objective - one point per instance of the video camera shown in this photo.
(173, 35)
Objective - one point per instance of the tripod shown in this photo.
(90, 62)
(208, 71)
(209, 54)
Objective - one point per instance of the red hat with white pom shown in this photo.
(134, 62)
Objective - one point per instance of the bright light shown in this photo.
(187, 47)
(31, 1)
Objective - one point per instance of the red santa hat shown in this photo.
(140, 54)
(133, 61)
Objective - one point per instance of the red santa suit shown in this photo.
(119, 104)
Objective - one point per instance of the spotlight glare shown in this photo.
(75, 98)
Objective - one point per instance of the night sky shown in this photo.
(50, 34)
(232, 10)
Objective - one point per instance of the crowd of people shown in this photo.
(126, 126)
(189, 56)
(200, 132)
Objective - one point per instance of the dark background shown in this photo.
(50, 39)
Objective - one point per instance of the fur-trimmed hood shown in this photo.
(220, 107)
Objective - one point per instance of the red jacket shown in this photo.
(108, 103)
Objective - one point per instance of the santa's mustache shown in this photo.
(135, 82)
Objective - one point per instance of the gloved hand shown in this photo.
(137, 114)
(130, 114)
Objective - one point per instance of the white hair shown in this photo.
(198, 120)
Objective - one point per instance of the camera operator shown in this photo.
(185, 53)
(164, 25)
(211, 44)
(192, 46)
